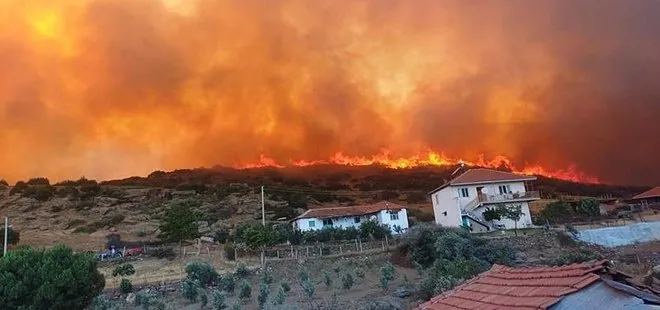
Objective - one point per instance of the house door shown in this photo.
(479, 193)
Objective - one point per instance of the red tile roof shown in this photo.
(480, 175)
(322, 213)
(517, 288)
(651, 193)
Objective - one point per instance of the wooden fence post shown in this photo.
(307, 250)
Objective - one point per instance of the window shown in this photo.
(357, 220)
(311, 224)
(463, 192)
(327, 222)
(394, 216)
(504, 189)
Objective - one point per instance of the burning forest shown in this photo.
(110, 89)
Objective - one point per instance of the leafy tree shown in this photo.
(555, 211)
(219, 300)
(189, 289)
(202, 272)
(374, 230)
(347, 281)
(125, 286)
(492, 214)
(55, 278)
(3, 183)
(246, 291)
(179, 222)
(514, 213)
(257, 235)
(263, 295)
(589, 207)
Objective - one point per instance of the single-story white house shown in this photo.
(384, 212)
(463, 200)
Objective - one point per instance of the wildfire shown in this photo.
(427, 158)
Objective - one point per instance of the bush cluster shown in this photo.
(448, 256)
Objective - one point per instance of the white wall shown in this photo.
(525, 220)
(491, 189)
(382, 217)
(446, 200)
(385, 218)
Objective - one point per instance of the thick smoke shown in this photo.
(107, 88)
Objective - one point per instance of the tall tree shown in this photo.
(55, 278)
(180, 222)
(512, 212)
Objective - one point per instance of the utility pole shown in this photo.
(4, 249)
(263, 207)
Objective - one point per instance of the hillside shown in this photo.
(81, 213)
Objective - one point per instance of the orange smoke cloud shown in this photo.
(112, 88)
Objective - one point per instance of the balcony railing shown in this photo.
(531, 195)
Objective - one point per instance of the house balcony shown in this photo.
(483, 199)
(510, 197)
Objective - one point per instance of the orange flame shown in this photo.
(427, 158)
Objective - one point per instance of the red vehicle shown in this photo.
(134, 251)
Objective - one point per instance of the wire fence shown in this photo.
(216, 255)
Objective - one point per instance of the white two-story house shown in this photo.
(463, 200)
(384, 212)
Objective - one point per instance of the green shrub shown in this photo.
(347, 281)
(228, 283)
(203, 299)
(267, 275)
(149, 300)
(125, 286)
(280, 297)
(38, 181)
(202, 272)
(189, 289)
(219, 300)
(230, 253)
(386, 275)
(101, 303)
(359, 272)
(303, 275)
(163, 252)
(309, 288)
(72, 280)
(242, 271)
(236, 307)
(327, 279)
(263, 295)
(285, 285)
(246, 291)
(123, 270)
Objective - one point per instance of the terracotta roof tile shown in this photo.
(651, 193)
(481, 175)
(322, 213)
(517, 288)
